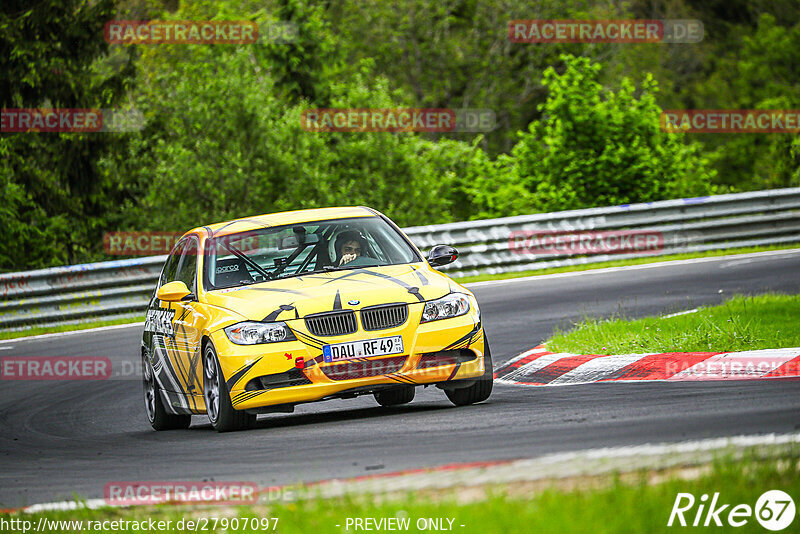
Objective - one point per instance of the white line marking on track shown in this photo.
(606, 270)
(693, 310)
(590, 461)
(55, 335)
(91, 504)
(670, 448)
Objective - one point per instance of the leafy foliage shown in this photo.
(594, 147)
(226, 140)
(577, 124)
(54, 204)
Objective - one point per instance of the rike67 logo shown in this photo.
(774, 510)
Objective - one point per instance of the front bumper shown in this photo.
(435, 352)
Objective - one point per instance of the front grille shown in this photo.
(385, 316)
(364, 369)
(332, 323)
(445, 357)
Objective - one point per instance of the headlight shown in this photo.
(451, 305)
(252, 333)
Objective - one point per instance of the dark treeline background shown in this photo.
(578, 124)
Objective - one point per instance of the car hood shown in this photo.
(282, 300)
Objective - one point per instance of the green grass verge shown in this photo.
(621, 263)
(741, 323)
(638, 504)
(37, 330)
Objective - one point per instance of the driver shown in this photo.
(349, 246)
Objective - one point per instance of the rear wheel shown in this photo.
(480, 390)
(218, 399)
(157, 414)
(394, 397)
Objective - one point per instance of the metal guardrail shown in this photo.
(118, 289)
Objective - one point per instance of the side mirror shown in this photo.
(173, 292)
(442, 255)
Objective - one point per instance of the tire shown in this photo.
(157, 414)
(395, 397)
(218, 399)
(480, 390)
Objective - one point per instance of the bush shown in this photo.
(594, 147)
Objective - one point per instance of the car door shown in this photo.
(161, 341)
(188, 326)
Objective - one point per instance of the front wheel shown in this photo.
(218, 399)
(159, 417)
(480, 390)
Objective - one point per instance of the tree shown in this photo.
(596, 147)
(224, 140)
(53, 55)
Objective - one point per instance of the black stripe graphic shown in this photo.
(274, 315)
(175, 366)
(466, 338)
(246, 395)
(455, 370)
(308, 340)
(242, 397)
(196, 357)
(415, 291)
(403, 378)
(239, 374)
(383, 276)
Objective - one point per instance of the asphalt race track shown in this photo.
(65, 438)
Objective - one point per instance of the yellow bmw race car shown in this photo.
(259, 314)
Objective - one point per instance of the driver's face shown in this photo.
(351, 247)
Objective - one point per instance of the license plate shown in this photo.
(382, 346)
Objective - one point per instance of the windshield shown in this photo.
(293, 250)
